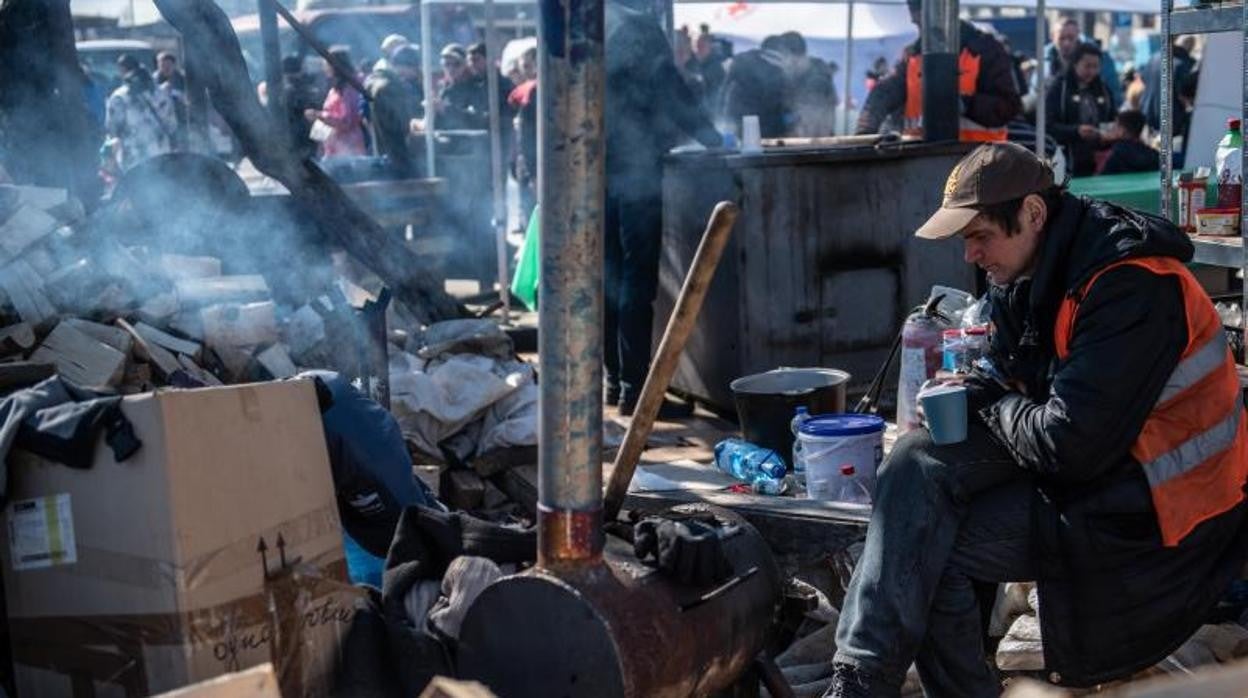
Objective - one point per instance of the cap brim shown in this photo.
(946, 223)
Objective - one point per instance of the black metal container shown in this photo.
(767, 401)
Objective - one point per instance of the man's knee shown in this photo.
(911, 462)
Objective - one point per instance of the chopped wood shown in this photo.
(25, 290)
(277, 362)
(114, 337)
(24, 228)
(168, 341)
(221, 289)
(497, 460)
(160, 358)
(42, 198)
(159, 308)
(138, 378)
(256, 682)
(198, 372)
(178, 267)
(188, 323)
(16, 338)
(236, 360)
(305, 330)
(40, 258)
(80, 358)
(234, 325)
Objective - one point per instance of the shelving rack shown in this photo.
(1219, 251)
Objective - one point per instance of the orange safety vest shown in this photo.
(1194, 444)
(968, 77)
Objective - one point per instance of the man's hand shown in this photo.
(311, 114)
(1089, 133)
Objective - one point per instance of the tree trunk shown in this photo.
(47, 137)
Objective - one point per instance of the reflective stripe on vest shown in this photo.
(1194, 445)
(968, 77)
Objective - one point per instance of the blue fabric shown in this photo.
(362, 566)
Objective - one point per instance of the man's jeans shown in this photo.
(944, 516)
(633, 237)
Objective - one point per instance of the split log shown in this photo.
(206, 31)
(81, 359)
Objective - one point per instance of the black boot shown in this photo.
(849, 681)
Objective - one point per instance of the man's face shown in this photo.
(1067, 39)
(528, 66)
(1004, 257)
(702, 46)
(454, 68)
(476, 63)
(167, 66)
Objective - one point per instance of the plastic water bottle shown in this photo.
(767, 485)
(850, 489)
(800, 417)
(746, 462)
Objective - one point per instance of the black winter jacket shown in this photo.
(1062, 105)
(1113, 600)
(994, 104)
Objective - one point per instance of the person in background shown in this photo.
(479, 66)
(1128, 153)
(167, 72)
(989, 99)
(342, 111)
(756, 84)
(710, 65)
(397, 103)
(140, 118)
(299, 95)
(812, 93)
(682, 57)
(523, 103)
(1076, 105)
(649, 110)
(389, 45)
(1133, 95)
(462, 102)
(1105, 454)
(1066, 37)
(168, 77)
(1183, 68)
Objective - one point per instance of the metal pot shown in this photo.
(766, 402)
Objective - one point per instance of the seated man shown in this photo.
(1106, 460)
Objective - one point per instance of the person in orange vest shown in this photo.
(1105, 458)
(985, 84)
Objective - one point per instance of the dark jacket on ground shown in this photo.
(1062, 105)
(1113, 600)
(994, 104)
(395, 103)
(649, 108)
(1131, 156)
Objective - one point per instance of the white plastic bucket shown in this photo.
(833, 440)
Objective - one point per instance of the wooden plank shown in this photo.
(80, 358)
(221, 289)
(235, 325)
(159, 308)
(178, 266)
(114, 337)
(17, 338)
(26, 292)
(160, 358)
(198, 372)
(256, 682)
(277, 362)
(24, 228)
(168, 341)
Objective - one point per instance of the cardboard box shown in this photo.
(215, 548)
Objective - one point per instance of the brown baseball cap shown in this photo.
(993, 173)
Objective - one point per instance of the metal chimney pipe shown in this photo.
(572, 87)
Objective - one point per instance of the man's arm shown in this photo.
(1129, 336)
(1065, 134)
(888, 96)
(996, 99)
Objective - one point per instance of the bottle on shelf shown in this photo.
(1229, 167)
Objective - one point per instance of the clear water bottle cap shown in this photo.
(847, 469)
